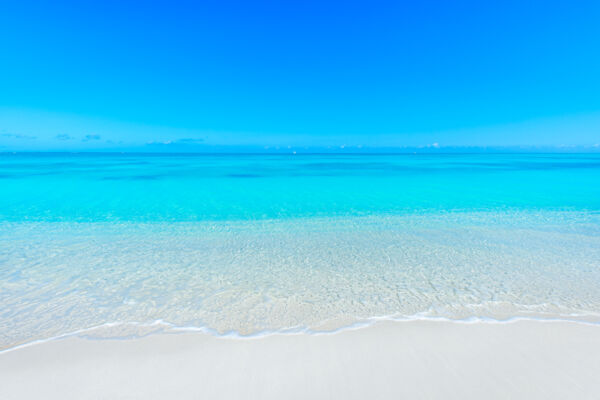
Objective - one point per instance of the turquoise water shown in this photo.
(119, 245)
(80, 187)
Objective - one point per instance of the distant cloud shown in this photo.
(154, 143)
(91, 137)
(17, 136)
(190, 140)
(177, 142)
(63, 137)
(435, 145)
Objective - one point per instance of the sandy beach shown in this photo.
(314, 200)
(390, 360)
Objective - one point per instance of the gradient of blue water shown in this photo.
(133, 187)
(247, 244)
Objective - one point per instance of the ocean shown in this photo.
(125, 245)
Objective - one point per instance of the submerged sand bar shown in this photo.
(390, 360)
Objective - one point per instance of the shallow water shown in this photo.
(111, 244)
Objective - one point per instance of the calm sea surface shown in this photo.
(107, 245)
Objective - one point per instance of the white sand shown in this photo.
(430, 360)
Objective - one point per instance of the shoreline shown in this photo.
(418, 359)
(167, 328)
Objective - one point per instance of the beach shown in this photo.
(299, 200)
(319, 277)
(389, 360)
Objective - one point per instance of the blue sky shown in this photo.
(341, 74)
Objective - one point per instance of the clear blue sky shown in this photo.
(181, 75)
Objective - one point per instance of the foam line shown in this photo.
(174, 329)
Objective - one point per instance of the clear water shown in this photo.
(122, 245)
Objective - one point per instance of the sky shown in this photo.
(268, 75)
